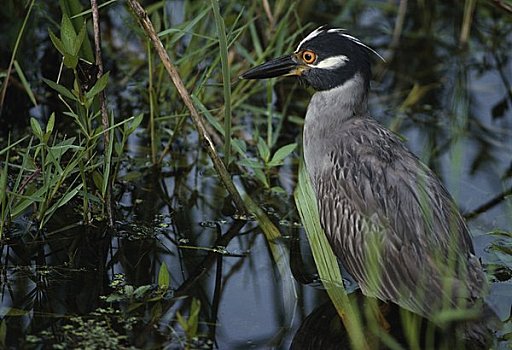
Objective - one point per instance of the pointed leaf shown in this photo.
(260, 175)
(281, 154)
(193, 320)
(79, 40)
(51, 123)
(250, 163)
(67, 34)
(263, 150)
(131, 127)
(141, 291)
(60, 89)
(163, 276)
(98, 87)
(57, 43)
(36, 128)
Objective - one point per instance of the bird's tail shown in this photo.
(478, 333)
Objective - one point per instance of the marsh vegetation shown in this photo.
(116, 228)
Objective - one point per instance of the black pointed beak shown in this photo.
(277, 67)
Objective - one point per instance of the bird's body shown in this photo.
(371, 190)
(387, 216)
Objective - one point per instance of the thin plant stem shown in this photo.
(151, 95)
(223, 46)
(469, 9)
(13, 56)
(104, 112)
(269, 115)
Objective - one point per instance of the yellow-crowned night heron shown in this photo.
(387, 216)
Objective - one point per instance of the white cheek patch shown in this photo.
(332, 62)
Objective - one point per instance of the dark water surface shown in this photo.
(87, 286)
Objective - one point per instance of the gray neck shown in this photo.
(327, 113)
(340, 103)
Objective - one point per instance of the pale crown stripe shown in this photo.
(310, 36)
(359, 42)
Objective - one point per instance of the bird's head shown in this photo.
(325, 59)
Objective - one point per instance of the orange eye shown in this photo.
(309, 56)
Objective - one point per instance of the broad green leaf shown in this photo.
(164, 279)
(67, 35)
(60, 89)
(36, 128)
(281, 154)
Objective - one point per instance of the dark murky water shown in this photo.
(72, 284)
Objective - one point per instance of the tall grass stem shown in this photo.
(223, 45)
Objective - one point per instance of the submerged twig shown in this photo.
(196, 118)
(489, 204)
(204, 266)
(103, 107)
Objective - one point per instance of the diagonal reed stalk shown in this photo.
(196, 117)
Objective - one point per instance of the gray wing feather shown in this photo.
(383, 210)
